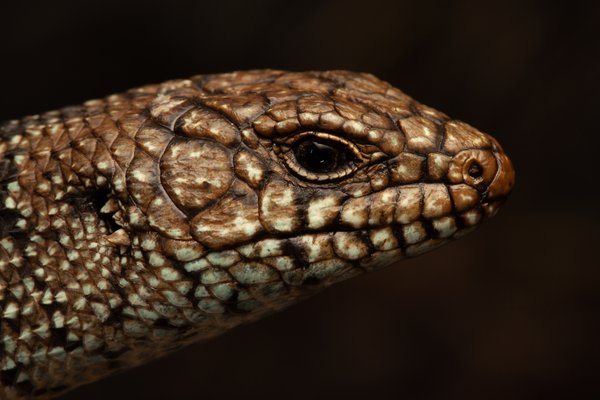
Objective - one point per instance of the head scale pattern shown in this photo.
(215, 169)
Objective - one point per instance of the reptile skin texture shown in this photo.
(137, 224)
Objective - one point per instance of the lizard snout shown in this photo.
(490, 172)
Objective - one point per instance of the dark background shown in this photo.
(510, 312)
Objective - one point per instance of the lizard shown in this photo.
(136, 224)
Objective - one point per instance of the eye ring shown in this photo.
(320, 156)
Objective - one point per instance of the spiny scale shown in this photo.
(138, 223)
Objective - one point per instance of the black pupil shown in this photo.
(319, 156)
(475, 170)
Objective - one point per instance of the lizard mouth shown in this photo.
(364, 246)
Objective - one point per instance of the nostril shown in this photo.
(475, 170)
(475, 174)
(473, 167)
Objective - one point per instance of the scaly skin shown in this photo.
(134, 225)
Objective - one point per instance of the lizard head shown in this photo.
(303, 178)
(135, 224)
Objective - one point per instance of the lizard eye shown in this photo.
(320, 156)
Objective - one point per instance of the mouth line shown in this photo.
(486, 200)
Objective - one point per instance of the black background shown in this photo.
(510, 312)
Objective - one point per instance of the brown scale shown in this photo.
(133, 225)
